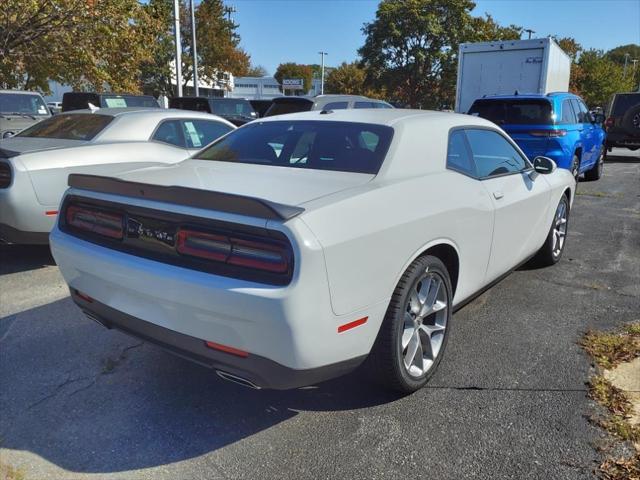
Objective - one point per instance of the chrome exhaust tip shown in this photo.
(236, 379)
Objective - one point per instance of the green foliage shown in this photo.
(617, 54)
(597, 78)
(411, 47)
(350, 79)
(85, 43)
(295, 70)
(257, 71)
(218, 45)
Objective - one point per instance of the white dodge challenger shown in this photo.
(297, 247)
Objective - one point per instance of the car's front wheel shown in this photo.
(413, 335)
(575, 168)
(553, 247)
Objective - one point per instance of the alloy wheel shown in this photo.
(559, 229)
(425, 322)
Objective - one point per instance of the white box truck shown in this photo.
(500, 68)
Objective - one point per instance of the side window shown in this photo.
(580, 109)
(381, 105)
(458, 156)
(368, 140)
(336, 106)
(493, 155)
(363, 105)
(199, 133)
(170, 131)
(568, 115)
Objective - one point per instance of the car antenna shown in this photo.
(516, 92)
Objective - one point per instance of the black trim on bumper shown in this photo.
(12, 235)
(260, 371)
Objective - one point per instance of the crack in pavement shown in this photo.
(94, 380)
(598, 288)
(509, 389)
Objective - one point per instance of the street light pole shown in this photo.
(626, 59)
(529, 31)
(178, 59)
(322, 55)
(194, 51)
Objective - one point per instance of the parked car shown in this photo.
(282, 105)
(294, 248)
(55, 107)
(20, 109)
(623, 121)
(236, 110)
(35, 164)
(556, 125)
(261, 106)
(83, 100)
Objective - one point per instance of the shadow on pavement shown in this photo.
(21, 258)
(94, 400)
(633, 158)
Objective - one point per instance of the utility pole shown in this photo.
(322, 55)
(633, 73)
(626, 59)
(194, 51)
(178, 59)
(529, 31)
(229, 10)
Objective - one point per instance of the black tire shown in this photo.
(386, 360)
(631, 120)
(575, 167)
(595, 172)
(547, 255)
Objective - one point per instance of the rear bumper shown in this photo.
(619, 139)
(258, 371)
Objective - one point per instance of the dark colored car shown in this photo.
(283, 105)
(623, 121)
(236, 110)
(557, 125)
(81, 100)
(261, 106)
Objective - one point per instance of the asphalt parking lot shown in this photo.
(508, 401)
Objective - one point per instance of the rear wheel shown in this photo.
(596, 171)
(414, 333)
(553, 247)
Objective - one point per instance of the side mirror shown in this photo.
(544, 165)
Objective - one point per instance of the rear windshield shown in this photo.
(320, 145)
(231, 107)
(513, 112)
(281, 107)
(22, 104)
(69, 127)
(623, 102)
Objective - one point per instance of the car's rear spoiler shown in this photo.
(191, 197)
(6, 153)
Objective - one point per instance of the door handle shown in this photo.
(498, 195)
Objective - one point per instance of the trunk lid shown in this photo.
(288, 186)
(21, 145)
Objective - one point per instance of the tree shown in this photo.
(350, 79)
(599, 78)
(411, 47)
(617, 54)
(295, 70)
(90, 44)
(569, 46)
(257, 71)
(217, 42)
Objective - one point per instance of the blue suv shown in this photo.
(556, 125)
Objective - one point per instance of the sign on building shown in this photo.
(292, 84)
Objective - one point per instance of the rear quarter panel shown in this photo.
(49, 170)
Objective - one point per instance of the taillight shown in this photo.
(548, 133)
(256, 253)
(95, 221)
(609, 122)
(5, 175)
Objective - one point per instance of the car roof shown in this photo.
(383, 116)
(146, 111)
(20, 92)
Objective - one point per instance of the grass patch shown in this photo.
(7, 472)
(593, 194)
(609, 349)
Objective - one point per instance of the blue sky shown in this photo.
(276, 31)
